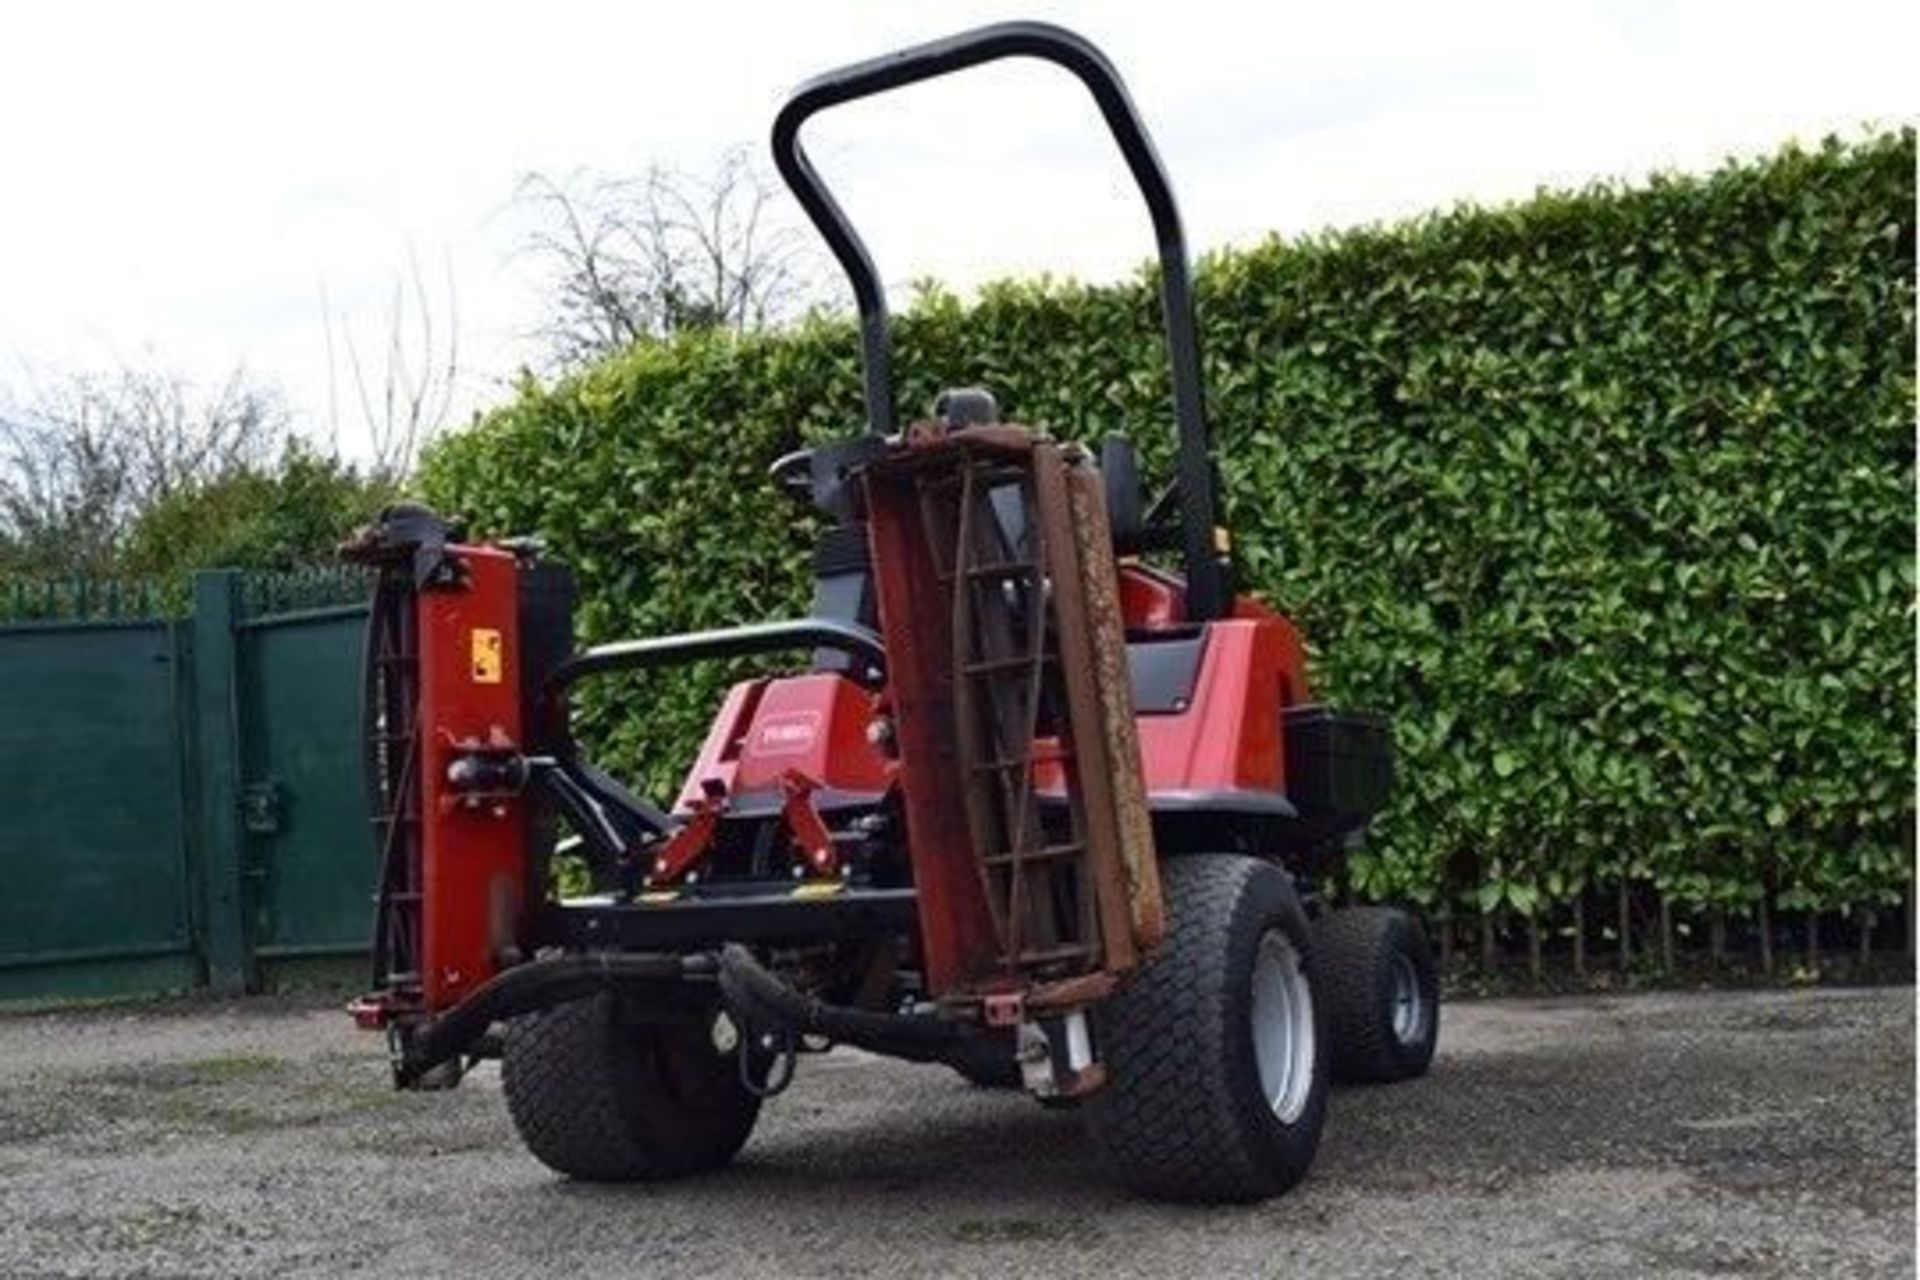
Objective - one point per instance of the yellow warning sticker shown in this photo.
(818, 889)
(488, 659)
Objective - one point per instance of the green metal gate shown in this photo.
(93, 824)
(183, 802)
(309, 861)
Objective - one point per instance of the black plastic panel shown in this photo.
(1164, 672)
(546, 594)
(1339, 763)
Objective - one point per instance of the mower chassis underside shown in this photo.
(705, 923)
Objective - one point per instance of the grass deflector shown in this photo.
(1046, 803)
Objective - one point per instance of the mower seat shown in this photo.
(1119, 468)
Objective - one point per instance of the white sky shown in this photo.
(179, 182)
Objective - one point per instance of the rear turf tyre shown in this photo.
(1215, 1047)
(602, 1100)
(1382, 992)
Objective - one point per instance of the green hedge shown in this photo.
(1607, 498)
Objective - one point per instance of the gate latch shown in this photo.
(260, 808)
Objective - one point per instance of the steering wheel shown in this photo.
(792, 474)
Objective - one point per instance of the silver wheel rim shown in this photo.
(1409, 1003)
(1283, 1039)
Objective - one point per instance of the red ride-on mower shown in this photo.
(1033, 809)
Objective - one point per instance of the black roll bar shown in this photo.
(1206, 564)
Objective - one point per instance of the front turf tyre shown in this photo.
(605, 1100)
(1215, 1047)
(1382, 992)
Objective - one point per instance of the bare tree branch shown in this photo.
(629, 259)
(418, 375)
(87, 455)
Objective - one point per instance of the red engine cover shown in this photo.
(813, 724)
(1228, 737)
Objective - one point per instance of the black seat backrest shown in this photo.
(1126, 498)
(843, 586)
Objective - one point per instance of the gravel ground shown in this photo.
(1679, 1135)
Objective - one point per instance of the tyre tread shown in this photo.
(1166, 1119)
(1354, 944)
(589, 1099)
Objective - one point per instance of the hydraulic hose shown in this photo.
(526, 988)
(762, 1001)
(756, 998)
